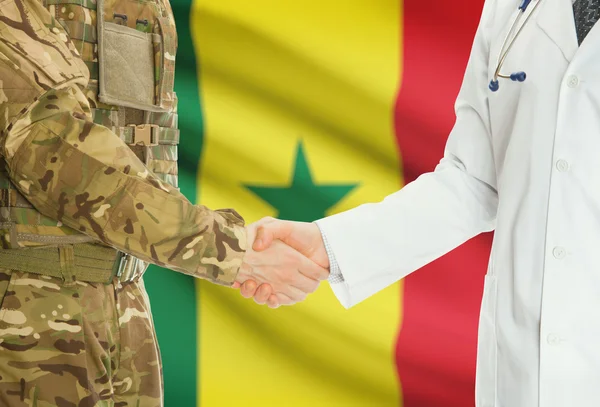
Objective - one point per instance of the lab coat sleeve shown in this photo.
(378, 244)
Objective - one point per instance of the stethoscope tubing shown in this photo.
(508, 43)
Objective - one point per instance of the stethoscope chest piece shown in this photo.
(511, 37)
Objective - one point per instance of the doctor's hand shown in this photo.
(303, 237)
(287, 276)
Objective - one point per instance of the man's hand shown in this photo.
(286, 275)
(303, 237)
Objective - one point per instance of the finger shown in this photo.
(263, 293)
(256, 225)
(252, 229)
(295, 294)
(304, 284)
(284, 299)
(273, 302)
(312, 270)
(263, 239)
(249, 288)
(270, 231)
(236, 285)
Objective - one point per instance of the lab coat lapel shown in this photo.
(555, 18)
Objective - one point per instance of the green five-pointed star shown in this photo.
(303, 200)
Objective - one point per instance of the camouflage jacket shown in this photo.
(83, 175)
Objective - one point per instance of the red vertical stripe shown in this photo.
(436, 348)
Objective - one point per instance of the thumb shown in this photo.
(267, 233)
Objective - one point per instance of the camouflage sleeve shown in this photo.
(81, 173)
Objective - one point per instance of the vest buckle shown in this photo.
(144, 134)
(127, 268)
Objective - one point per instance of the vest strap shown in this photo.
(148, 134)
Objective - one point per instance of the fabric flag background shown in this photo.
(300, 110)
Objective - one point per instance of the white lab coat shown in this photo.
(524, 161)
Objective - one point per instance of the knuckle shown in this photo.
(266, 220)
(315, 274)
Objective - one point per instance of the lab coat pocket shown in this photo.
(485, 381)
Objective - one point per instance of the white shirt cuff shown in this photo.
(335, 273)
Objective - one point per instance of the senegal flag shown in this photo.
(298, 110)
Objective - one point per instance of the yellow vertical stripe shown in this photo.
(274, 73)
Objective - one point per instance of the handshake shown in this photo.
(284, 262)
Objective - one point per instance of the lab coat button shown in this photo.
(562, 166)
(573, 81)
(553, 339)
(559, 252)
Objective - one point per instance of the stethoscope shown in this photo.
(507, 45)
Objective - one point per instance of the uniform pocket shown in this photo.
(485, 381)
(126, 66)
(136, 64)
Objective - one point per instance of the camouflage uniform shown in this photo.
(88, 140)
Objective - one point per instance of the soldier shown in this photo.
(88, 197)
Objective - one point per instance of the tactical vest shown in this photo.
(129, 48)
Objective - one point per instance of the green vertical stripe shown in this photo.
(173, 294)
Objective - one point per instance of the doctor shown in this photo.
(523, 159)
